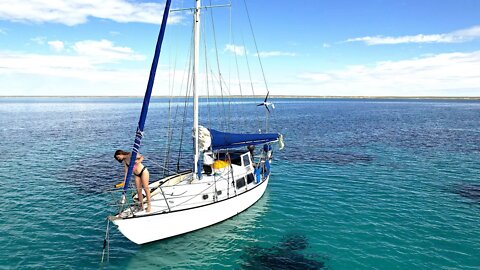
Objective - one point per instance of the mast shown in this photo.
(196, 66)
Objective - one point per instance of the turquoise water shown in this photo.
(362, 184)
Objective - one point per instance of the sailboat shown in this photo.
(189, 200)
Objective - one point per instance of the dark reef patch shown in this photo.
(284, 255)
(92, 175)
(96, 174)
(341, 158)
(331, 157)
(469, 191)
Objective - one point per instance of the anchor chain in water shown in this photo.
(106, 242)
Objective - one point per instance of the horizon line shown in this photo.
(258, 96)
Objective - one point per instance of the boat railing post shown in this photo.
(165, 198)
(228, 188)
(215, 188)
(215, 197)
(231, 173)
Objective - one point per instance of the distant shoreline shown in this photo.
(271, 96)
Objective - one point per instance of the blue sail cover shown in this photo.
(224, 140)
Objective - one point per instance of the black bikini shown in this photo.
(141, 172)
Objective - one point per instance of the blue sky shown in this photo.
(309, 47)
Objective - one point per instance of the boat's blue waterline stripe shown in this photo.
(148, 94)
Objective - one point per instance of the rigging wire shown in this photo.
(161, 166)
(171, 128)
(209, 120)
(169, 119)
(230, 97)
(225, 123)
(232, 36)
(260, 63)
(249, 71)
(256, 47)
(189, 86)
(182, 129)
(236, 60)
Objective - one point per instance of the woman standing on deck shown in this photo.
(140, 172)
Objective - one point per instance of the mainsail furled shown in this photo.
(225, 140)
(148, 94)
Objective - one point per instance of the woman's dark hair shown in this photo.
(120, 152)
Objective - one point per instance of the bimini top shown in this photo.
(224, 140)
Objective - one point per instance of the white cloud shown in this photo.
(81, 73)
(453, 37)
(275, 53)
(11, 63)
(238, 50)
(56, 45)
(3, 31)
(86, 67)
(452, 74)
(39, 40)
(90, 56)
(74, 12)
(316, 77)
(103, 51)
(36, 74)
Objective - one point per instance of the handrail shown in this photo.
(185, 201)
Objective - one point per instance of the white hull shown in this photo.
(148, 228)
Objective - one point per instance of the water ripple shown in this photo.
(360, 185)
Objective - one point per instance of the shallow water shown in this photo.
(362, 184)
